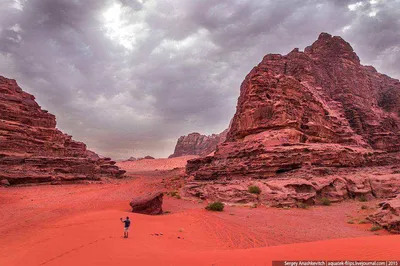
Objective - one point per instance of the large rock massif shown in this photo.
(197, 144)
(308, 125)
(33, 150)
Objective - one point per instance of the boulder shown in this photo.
(4, 182)
(149, 204)
(388, 216)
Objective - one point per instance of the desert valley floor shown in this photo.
(78, 224)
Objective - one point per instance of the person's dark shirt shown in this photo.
(127, 223)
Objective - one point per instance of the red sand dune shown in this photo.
(79, 225)
(155, 164)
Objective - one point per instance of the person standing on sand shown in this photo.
(127, 223)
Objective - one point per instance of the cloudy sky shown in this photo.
(128, 77)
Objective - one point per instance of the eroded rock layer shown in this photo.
(388, 215)
(33, 150)
(299, 114)
(197, 144)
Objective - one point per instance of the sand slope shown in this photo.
(95, 239)
(79, 225)
(155, 164)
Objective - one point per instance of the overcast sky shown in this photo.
(128, 77)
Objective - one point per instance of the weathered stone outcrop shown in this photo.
(301, 186)
(197, 144)
(388, 216)
(149, 204)
(33, 150)
(300, 115)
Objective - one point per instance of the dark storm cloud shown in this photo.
(128, 77)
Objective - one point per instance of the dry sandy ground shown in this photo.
(79, 225)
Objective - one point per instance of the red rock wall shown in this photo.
(324, 94)
(33, 150)
(300, 115)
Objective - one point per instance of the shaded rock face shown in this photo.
(388, 216)
(150, 204)
(305, 112)
(197, 144)
(32, 150)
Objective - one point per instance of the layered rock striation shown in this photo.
(197, 144)
(300, 114)
(33, 150)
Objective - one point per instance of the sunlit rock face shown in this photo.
(197, 144)
(304, 111)
(33, 150)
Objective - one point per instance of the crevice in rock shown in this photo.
(371, 187)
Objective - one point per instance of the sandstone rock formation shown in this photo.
(150, 204)
(4, 182)
(301, 119)
(388, 216)
(197, 144)
(33, 150)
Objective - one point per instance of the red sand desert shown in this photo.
(79, 225)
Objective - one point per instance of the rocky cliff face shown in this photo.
(32, 150)
(303, 113)
(197, 144)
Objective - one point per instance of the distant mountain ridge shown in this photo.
(197, 144)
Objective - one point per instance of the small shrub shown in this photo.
(364, 207)
(254, 190)
(363, 198)
(302, 205)
(350, 221)
(325, 201)
(175, 194)
(215, 206)
(375, 228)
(362, 222)
(396, 172)
(166, 212)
